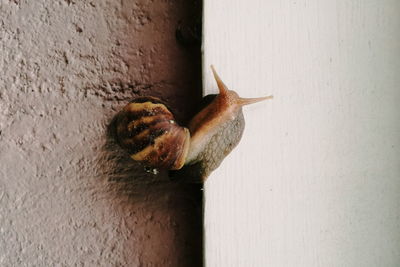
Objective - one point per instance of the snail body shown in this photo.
(147, 130)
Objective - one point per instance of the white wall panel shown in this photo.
(315, 180)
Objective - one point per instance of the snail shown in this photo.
(147, 130)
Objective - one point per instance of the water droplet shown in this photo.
(151, 170)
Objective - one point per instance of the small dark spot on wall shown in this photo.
(17, 2)
(78, 28)
(65, 58)
(69, 2)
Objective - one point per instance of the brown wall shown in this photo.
(68, 195)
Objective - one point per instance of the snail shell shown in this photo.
(147, 130)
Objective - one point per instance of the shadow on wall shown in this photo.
(164, 216)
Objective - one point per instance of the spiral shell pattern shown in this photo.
(147, 130)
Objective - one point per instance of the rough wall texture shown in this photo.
(68, 195)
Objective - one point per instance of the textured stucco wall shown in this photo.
(68, 195)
